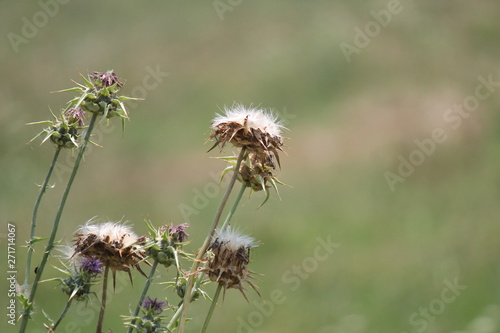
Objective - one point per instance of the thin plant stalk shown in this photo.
(143, 295)
(233, 208)
(63, 313)
(35, 214)
(212, 308)
(51, 242)
(103, 300)
(176, 316)
(206, 244)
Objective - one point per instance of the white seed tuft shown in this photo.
(250, 118)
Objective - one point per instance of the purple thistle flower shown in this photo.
(153, 304)
(107, 79)
(91, 265)
(76, 115)
(179, 232)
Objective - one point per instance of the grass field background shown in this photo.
(351, 120)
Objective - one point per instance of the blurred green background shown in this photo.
(350, 122)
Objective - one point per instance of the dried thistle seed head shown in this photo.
(252, 128)
(113, 243)
(231, 255)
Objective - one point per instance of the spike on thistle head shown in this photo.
(231, 255)
(253, 128)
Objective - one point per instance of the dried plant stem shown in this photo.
(35, 214)
(103, 300)
(51, 242)
(233, 208)
(143, 295)
(63, 313)
(206, 244)
(212, 308)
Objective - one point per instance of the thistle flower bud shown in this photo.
(165, 243)
(62, 131)
(231, 255)
(252, 128)
(81, 278)
(256, 172)
(113, 243)
(99, 95)
(151, 320)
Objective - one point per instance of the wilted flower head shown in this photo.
(76, 115)
(253, 128)
(113, 243)
(179, 232)
(106, 79)
(231, 255)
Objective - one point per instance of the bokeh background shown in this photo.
(350, 122)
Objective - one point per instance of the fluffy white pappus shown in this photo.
(234, 240)
(255, 118)
(114, 230)
(65, 252)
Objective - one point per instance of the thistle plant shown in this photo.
(98, 96)
(258, 136)
(100, 248)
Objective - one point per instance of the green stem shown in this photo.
(144, 292)
(50, 245)
(35, 214)
(63, 313)
(233, 208)
(174, 318)
(206, 243)
(103, 300)
(212, 308)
